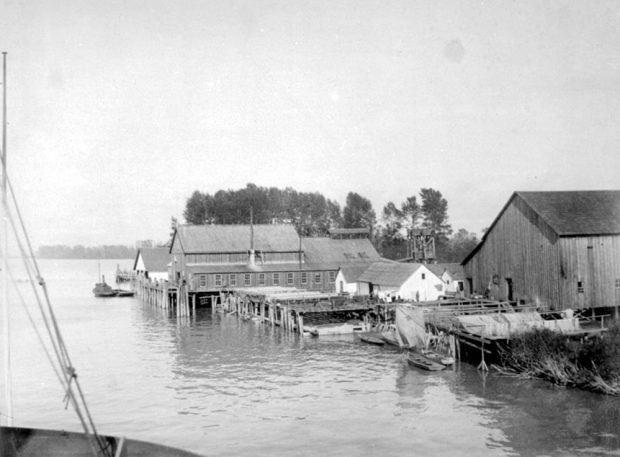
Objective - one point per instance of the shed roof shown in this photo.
(329, 252)
(454, 269)
(569, 213)
(389, 273)
(575, 213)
(236, 238)
(154, 259)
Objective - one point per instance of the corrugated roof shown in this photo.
(154, 259)
(236, 238)
(331, 252)
(389, 273)
(574, 213)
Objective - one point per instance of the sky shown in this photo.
(119, 110)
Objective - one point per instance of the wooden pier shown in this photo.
(291, 308)
(163, 295)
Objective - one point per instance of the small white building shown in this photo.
(407, 281)
(347, 280)
(152, 263)
(452, 275)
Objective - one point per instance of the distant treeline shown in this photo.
(86, 252)
(314, 215)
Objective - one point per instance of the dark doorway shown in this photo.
(509, 289)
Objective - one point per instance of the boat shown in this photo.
(372, 339)
(390, 336)
(419, 360)
(123, 293)
(412, 333)
(24, 441)
(438, 357)
(102, 289)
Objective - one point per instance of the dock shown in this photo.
(295, 310)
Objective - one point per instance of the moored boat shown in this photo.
(420, 360)
(372, 339)
(123, 293)
(102, 289)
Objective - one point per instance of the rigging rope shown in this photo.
(67, 375)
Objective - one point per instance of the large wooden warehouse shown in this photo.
(557, 249)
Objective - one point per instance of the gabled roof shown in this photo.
(154, 259)
(569, 213)
(236, 238)
(336, 253)
(389, 273)
(454, 269)
(577, 213)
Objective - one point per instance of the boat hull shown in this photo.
(421, 361)
(30, 442)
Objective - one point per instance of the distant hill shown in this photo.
(86, 252)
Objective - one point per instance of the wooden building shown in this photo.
(211, 258)
(558, 250)
(407, 281)
(152, 263)
(453, 276)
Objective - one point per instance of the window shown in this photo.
(317, 277)
(261, 279)
(218, 280)
(332, 277)
(423, 275)
(290, 279)
(461, 286)
(304, 277)
(579, 287)
(617, 283)
(276, 279)
(232, 280)
(247, 279)
(202, 280)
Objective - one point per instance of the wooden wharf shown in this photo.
(164, 295)
(288, 307)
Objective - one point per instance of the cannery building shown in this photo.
(557, 249)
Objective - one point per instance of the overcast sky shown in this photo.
(119, 110)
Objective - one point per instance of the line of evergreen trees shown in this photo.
(86, 252)
(314, 215)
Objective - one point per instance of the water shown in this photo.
(223, 387)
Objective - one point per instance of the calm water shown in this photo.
(219, 386)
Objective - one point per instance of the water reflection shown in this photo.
(222, 386)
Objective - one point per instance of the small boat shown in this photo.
(20, 441)
(419, 360)
(371, 339)
(390, 336)
(123, 293)
(102, 289)
(444, 359)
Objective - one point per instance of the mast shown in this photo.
(5, 253)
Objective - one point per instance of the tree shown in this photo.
(435, 212)
(411, 212)
(460, 245)
(390, 241)
(358, 212)
(195, 210)
(392, 219)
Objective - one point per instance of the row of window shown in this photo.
(232, 280)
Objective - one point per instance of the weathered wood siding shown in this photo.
(595, 262)
(543, 267)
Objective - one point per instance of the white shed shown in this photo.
(407, 281)
(152, 263)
